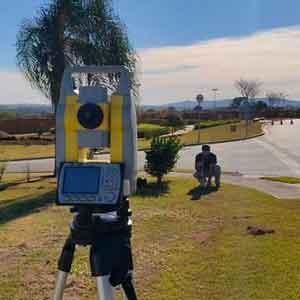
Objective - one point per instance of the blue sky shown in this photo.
(157, 23)
(178, 41)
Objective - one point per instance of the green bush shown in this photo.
(162, 156)
(149, 131)
(174, 120)
(215, 123)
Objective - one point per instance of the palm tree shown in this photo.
(67, 33)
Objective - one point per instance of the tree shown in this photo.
(67, 33)
(236, 102)
(174, 120)
(248, 88)
(260, 106)
(162, 156)
(275, 98)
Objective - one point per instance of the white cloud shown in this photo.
(15, 89)
(175, 73)
(272, 57)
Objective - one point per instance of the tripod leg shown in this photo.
(64, 267)
(104, 289)
(128, 288)
(60, 285)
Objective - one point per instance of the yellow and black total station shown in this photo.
(97, 190)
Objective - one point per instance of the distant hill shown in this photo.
(189, 104)
(209, 104)
(27, 109)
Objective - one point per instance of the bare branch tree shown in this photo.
(248, 88)
(275, 98)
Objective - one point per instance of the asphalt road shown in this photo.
(277, 153)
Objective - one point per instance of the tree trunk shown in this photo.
(159, 179)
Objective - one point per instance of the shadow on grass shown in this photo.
(11, 210)
(200, 191)
(153, 189)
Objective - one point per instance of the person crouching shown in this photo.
(206, 167)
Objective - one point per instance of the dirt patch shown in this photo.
(242, 217)
(259, 230)
(10, 256)
(201, 237)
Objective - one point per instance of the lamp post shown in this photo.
(199, 99)
(215, 90)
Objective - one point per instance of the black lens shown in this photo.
(90, 116)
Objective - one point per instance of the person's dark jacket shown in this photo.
(206, 159)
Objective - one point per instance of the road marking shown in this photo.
(292, 164)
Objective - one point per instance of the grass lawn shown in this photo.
(149, 131)
(148, 126)
(221, 133)
(285, 179)
(214, 134)
(10, 152)
(183, 249)
(214, 123)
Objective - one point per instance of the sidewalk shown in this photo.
(276, 189)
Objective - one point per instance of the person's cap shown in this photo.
(205, 148)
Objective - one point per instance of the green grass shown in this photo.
(183, 249)
(149, 131)
(11, 151)
(215, 134)
(215, 123)
(285, 179)
(221, 133)
(149, 126)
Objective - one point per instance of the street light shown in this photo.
(199, 99)
(215, 90)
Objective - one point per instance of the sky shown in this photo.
(185, 47)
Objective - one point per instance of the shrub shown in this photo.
(174, 120)
(162, 156)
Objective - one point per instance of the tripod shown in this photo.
(110, 251)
